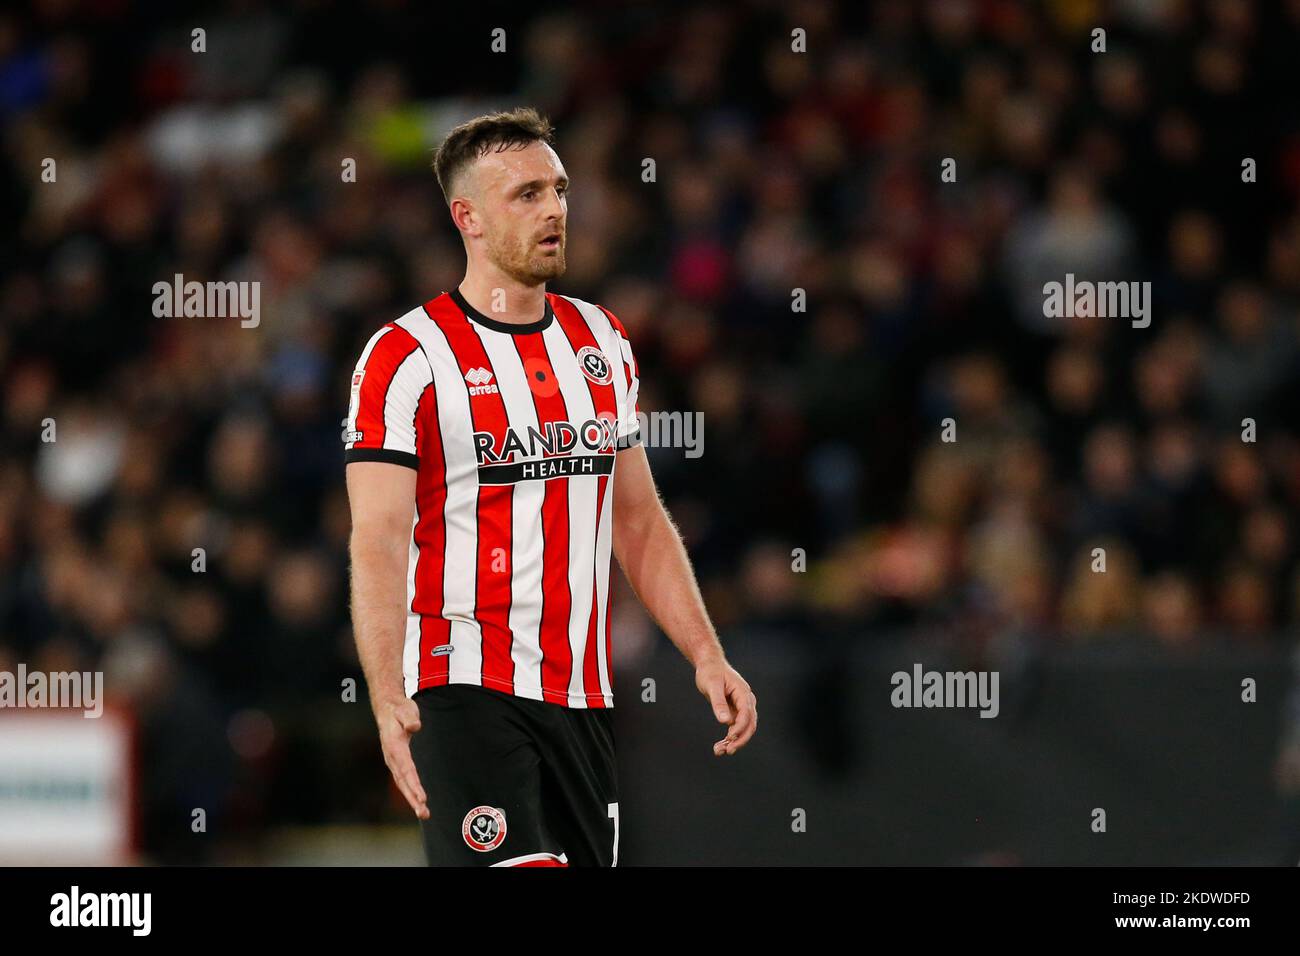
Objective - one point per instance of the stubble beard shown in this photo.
(524, 265)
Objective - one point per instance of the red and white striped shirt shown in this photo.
(513, 431)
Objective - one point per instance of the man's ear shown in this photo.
(464, 217)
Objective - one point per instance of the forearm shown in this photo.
(379, 612)
(657, 566)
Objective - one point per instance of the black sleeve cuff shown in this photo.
(391, 455)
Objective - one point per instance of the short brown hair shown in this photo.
(514, 129)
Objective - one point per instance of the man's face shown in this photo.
(521, 205)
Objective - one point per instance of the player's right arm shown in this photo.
(382, 440)
(382, 497)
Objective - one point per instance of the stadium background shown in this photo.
(776, 170)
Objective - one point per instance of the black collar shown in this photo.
(514, 328)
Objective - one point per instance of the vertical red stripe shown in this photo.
(431, 541)
(381, 365)
(578, 333)
(605, 401)
(631, 370)
(495, 553)
(557, 656)
(590, 663)
(609, 620)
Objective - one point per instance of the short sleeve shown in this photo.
(628, 432)
(387, 386)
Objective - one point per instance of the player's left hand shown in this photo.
(733, 703)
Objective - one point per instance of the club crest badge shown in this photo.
(484, 828)
(594, 365)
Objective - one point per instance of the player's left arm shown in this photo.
(650, 551)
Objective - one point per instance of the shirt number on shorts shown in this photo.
(613, 814)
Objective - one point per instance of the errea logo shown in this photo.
(479, 379)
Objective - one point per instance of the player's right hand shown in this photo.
(398, 720)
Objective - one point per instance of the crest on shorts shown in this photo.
(594, 365)
(484, 828)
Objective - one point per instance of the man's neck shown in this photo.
(502, 298)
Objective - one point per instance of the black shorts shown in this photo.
(512, 781)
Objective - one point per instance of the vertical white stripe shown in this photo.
(608, 340)
(411, 647)
(525, 618)
(604, 548)
(354, 396)
(582, 507)
(402, 401)
(410, 378)
(630, 422)
(370, 345)
(465, 666)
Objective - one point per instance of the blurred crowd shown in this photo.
(186, 529)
